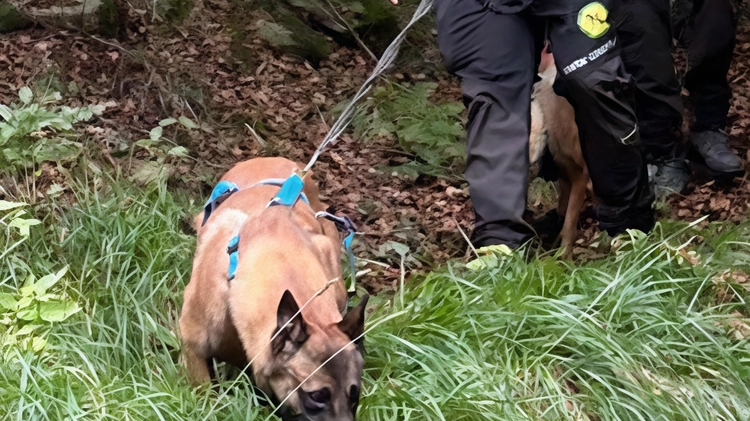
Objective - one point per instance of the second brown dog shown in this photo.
(553, 122)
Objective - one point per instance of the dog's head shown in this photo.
(322, 353)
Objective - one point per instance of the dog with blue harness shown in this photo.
(267, 292)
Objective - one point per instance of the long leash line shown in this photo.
(389, 56)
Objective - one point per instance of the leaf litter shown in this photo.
(196, 70)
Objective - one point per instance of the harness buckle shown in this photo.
(345, 224)
(290, 192)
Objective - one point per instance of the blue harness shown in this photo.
(288, 195)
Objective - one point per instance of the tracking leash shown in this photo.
(389, 56)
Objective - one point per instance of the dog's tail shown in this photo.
(547, 64)
(538, 135)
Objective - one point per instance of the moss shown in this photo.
(11, 19)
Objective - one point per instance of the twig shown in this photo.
(113, 45)
(465, 236)
(322, 118)
(260, 140)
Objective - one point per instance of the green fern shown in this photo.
(431, 132)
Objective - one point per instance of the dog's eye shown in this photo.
(317, 400)
(321, 396)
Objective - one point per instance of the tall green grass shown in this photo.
(642, 335)
(638, 336)
(117, 359)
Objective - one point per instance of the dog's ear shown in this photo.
(295, 333)
(354, 321)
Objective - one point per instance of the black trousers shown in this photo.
(708, 32)
(646, 40)
(707, 29)
(492, 45)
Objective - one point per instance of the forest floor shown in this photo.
(215, 71)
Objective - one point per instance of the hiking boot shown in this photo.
(669, 175)
(637, 214)
(712, 145)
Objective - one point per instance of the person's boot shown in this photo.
(669, 175)
(712, 146)
(636, 213)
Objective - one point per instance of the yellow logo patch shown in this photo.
(592, 19)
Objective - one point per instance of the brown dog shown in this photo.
(285, 256)
(553, 116)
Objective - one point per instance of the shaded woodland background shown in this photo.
(284, 69)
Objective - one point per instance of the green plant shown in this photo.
(39, 131)
(174, 11)
(28, 312)
(161, 152)
(658, 330)
(432, 133)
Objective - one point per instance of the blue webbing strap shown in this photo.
(219, 194)
(233, 251)
(279, 182)
(290, 192)
(224, 189)
(345, 224)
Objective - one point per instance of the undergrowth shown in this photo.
(36, 130)
(652, 332)
(646, 334)
(91, 288)
(432, 134)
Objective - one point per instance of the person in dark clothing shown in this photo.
(493, 45)
(645, 32)
(707, 28)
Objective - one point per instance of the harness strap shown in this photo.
(233, 251)
(279, 182)
(288, 195)
(290, 192)
(219, 194)
(345, 224)
(225, 188)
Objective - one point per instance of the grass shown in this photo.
(649, 333)
(638, 336)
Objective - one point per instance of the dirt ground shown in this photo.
(201, 69)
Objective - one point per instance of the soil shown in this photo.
(204, 70)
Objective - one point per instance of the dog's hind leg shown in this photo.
(564, 198)
(577, 196)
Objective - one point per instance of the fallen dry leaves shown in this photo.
(197, 70)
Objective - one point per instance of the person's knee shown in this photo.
(604, 96)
